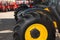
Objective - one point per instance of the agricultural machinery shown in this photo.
(37, 22)
(0, 6)
(3, 6)
(13, 5)
(8, 6)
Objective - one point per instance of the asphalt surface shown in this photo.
(7, 23)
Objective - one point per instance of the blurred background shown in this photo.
(10, 5)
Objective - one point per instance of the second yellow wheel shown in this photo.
(36, 32)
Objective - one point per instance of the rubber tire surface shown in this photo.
(32, 18)
(58, 24)
(16, 12)
(21, 8)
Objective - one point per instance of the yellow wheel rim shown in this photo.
(42, 29)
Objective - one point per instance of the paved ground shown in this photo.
(7, 23)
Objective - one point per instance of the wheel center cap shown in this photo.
(35, 33)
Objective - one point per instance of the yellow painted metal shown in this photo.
(47, 9)
(55, 24)
(42, 29)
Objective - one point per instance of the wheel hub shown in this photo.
(35, 33)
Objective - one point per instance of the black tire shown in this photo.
(15, 14)
(32, 18)
(21, 8)
(58, 24)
